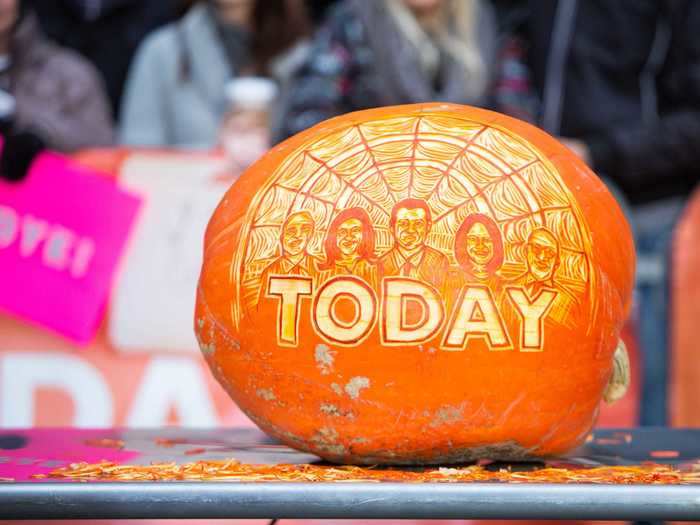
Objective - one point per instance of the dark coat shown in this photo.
(626, 74)
(110, 40)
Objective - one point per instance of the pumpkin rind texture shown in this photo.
(417, 284)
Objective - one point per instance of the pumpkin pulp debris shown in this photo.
(233, 470)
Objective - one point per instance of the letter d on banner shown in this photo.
(22, 374)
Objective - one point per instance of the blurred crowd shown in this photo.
(617, 82)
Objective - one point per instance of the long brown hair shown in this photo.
(461, 242)
(366, 248)
(276, 26)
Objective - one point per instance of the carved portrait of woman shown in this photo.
(349, 247)
(478, 249)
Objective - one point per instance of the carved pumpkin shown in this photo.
(418, 284)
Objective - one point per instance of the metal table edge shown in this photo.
(223, 499)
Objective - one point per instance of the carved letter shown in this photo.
(328, 303)
(288, 291)
(403, 297)
(532, 311)
(476, 315)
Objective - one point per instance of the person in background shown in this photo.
(389, 52)
(245, 133)
(176, 90)
(48, 91)
(106, 32)
(620, 83)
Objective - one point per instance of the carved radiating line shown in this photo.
(315, 177)
(412, 166)
(355, 188)
(309, 182)
(349, 190)
(341, 156)
(476, 198)
(532, 201)
(306, 194)
(478, 151)
(561, 247)
(374, 162)
(492, 159)
(429, 138)
(481, 191)
(531, 213)
(452, 163)
(404, 163)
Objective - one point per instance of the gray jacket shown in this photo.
(167, 106)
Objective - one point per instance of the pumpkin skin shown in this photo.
(349, 364)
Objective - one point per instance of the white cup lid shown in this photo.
(251, 92)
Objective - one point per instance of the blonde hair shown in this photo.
(454, 29)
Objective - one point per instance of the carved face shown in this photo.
(349, 236)
(411, 228)
(542, 255)
(479, 244)
(297, 234)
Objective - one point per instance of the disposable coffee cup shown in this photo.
(251, 94)
(245, 132)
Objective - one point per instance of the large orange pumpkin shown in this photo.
(417, 284)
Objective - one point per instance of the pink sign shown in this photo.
(62, 232)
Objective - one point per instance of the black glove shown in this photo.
(18, 153)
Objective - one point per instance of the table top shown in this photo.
(25, 453)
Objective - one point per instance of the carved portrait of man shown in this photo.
(297, 231)
(410, 256)
(542, 259)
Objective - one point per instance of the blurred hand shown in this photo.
(578, 147)
(18, 153)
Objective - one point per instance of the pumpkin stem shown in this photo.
(620, 379)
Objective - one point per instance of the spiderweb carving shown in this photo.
(457, 166)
